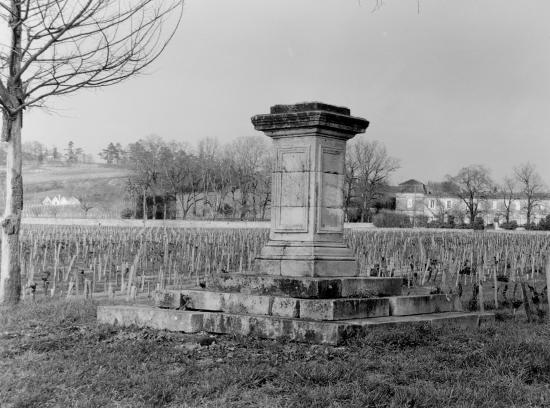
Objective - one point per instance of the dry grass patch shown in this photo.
(54, 354)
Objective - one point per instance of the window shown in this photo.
(409, 203)
(518, 205)
(495, 204)
(449, 204)
(432, 203)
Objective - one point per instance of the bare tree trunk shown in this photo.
(10, 269)
(365, 212)
(144, 206)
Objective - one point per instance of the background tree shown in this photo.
(531, 187)
(473, 185)
(112, 154)
(508, 192)
(248, 156)
(85, 194)
(34, 152)
(181, 174)
(372, 167)
(55, 154)
(70, 153)
(56, 47)
(144, 158)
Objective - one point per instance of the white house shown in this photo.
(60, 200)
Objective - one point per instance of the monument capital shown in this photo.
(302, 119)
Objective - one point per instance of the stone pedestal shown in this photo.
(307, 216)
(305, 287)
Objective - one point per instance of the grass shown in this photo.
(54, 354)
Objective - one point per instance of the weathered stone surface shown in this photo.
(240, 303)
(306, 287)
(273, 328)
(310, 115)
(146, 316)
(370, 286)
(167, 299)
(310, 106)
(322, 259)
(203, 300)
(459, 319)
(313, 309)
(422, 304)
(342, 309)
(324, 332)
(285, 307)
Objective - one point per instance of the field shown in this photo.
(98, 185)
(54, 354)
(510, 266)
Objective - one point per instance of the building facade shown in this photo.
(418, 200)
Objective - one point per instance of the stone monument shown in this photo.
(307, 216)
(305, 285)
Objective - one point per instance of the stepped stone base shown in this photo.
(274, 327)
(422, 304)
(315, 309)
(322, 259)
(305, 287)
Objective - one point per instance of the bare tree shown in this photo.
(249, 154)
(145, 161)
(372, 168)
(56, 47)
(350, 180)
(473, 185)
(531, 187)
(182, 175)
(508, 191)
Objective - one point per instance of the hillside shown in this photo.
(99, 186)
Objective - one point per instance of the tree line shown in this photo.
(475, 186)
(210, 180)
(36, 153)
(233, 179)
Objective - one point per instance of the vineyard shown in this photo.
(71, 260)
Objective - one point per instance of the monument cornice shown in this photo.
(312, 115)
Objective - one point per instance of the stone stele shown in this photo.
(307, 216)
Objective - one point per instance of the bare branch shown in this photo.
(69, 45)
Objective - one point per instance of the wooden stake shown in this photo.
(480, 296)
(495, 282)
(526, 302)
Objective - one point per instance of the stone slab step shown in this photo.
(152, 317)
(306, 287)
(423, 304)
(313, 309)
(274, 327)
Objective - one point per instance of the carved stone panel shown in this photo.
(292, 159)
(330, 214)
(291, 189)
(332, 160)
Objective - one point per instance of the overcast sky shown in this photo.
(463, 82)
